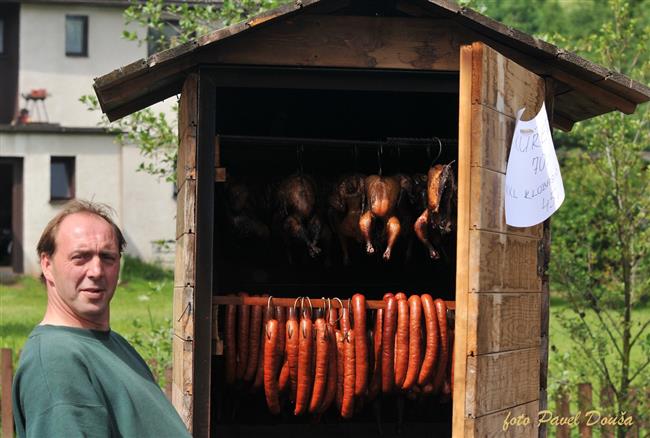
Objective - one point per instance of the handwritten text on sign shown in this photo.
(534, 189)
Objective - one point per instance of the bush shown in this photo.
(134, 268)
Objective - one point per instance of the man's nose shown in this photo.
(95, 267)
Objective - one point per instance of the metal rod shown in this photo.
(289, 302)
(292, 141)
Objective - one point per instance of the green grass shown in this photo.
(141, 307)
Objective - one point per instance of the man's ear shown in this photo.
(46, 267)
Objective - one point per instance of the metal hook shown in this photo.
(268, 303)
(268, 308)
(311, 308)
(439, 151)
(341, 312)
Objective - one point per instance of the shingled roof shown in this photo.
(585, 89)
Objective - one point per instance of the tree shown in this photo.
(167, 25)
(601, 237)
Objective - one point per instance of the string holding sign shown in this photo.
(534, 188)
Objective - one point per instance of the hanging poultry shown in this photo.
(245, 208)
(437, 220)
(344, 210)
(382, 197)
(296, 214)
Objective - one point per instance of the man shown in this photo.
(76, 376)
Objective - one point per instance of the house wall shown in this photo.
(145, 208)
(148, 211)
(44, 64)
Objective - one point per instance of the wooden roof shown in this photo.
(585, 89)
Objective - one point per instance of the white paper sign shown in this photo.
(534, 189)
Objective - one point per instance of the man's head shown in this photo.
(80, 252)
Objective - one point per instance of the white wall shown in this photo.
(148, 211)
(43, 63)
(104, 172)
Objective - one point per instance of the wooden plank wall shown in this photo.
(185, 272)
(499, 286)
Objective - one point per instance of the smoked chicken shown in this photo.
(245, 209)
(296, 214)
(345, 209)
(382, 196)
(437, 220)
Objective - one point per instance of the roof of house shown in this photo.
(585, 89)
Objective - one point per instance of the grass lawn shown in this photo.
(141, 310)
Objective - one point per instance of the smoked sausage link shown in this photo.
(269, 313)
(388, 345)
(242, 337)
(431, 345)
(255, 332)
(330, 391)
(360, 344)
(320, 375)
(441, 315)
(293, 340)
(340, 367)
(415, 340)
(375, 383)
(303, 390)
(271, 390)
(401, 342)
(347, 405)
(231, 344)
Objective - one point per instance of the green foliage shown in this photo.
(151, 132)
(154, 343)
(134, 268)
(165, 25)
(601, 236)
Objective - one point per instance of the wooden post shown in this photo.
(562, 408)
(6, 379)
(585, 404)
(606, 405)
(544, 257)
(205, 171)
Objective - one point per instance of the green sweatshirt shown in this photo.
(74, 382)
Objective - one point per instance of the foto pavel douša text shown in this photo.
(590, 418)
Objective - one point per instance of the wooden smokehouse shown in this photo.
(333, 86)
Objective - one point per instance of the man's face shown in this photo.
(84, 268)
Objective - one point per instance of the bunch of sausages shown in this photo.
(331, 357)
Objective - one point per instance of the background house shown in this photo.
(59, 47)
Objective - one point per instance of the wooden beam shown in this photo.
(346, 41)
(595, 93)
(562, 122)
(498, 381)
(185, 262)
(543, 260)
(202, 375)
(462, 239)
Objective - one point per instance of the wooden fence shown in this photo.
(585, 403)
(6, 377)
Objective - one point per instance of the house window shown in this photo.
(62, 178)
(76, 35)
